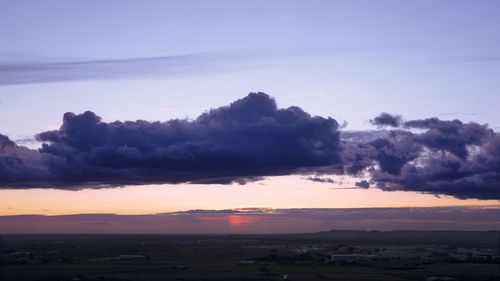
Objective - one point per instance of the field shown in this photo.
(335, 255)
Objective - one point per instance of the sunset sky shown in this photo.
(275, 105)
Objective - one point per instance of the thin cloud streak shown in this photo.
(16, 73)
(30, 71)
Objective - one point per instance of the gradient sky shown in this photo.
(345, 59)
(349, 60)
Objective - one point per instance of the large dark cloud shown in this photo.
(246, 140)
(252, 138)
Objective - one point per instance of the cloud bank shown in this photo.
(259, 221)
(252, 138)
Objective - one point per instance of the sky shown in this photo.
(343, 61)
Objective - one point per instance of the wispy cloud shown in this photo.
(491, 58)
(27, 72)
(31, 70)
(458, 113)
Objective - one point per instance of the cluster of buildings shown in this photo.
(411, 257)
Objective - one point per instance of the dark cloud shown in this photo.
(19, 163)
(444, 157)
(252, 138)
(386, 119)
(321, 179)
(362, 184)
(241, 142)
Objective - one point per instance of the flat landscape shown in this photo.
(332, 255)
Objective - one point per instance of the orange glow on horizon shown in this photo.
(232, 220)
(275, 193)
(237, 220)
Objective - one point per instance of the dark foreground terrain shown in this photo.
(333, 255)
